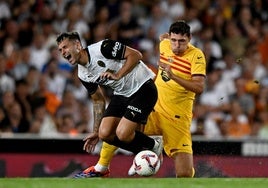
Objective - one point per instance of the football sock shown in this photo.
(99, 168)
(193, 173)
(106, 154)
(139, 143)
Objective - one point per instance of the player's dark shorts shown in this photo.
(135, 108)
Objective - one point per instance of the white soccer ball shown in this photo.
(146, 163)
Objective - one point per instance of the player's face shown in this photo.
(70, 50)
(179, 43)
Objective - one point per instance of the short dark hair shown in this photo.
(180, 27)
(68, 35)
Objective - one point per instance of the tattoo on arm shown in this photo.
(98, 109)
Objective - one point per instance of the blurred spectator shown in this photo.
(125, 27)
(32, 78)
(22, 96)
(262, 99)
(215, 97)
(82, 127)
(9, 36)
(21, 68)
(147, 47)
(7, 83)
(2, 114)
(7, 99)
(263, 129)
(49, 33)
(67, 125)
(88, 10)
(22, 10)
(74, 21)
(39, 53)
(43, 123)
(217, 24)
(69, 105)
(64, 67)
(156, 23)
(99, 28)
(263, 45)
(233, 67)
(191, 16)
(175, 9)
(5, 11)
(246, 17)
(113, 6)
(26, 32)
(236, 124)
(86, 121)
(244, 99)
(233, 40)
(74, 85)
(211, 48)
(52, 102)
(257, 68)
(56, 82)
(14, 121)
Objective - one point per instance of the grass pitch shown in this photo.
(133, 183)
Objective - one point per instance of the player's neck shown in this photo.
(84, 57)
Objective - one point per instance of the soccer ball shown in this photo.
(146, 163)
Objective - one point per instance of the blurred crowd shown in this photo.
(41, 93)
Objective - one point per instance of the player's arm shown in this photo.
(116, 50)
(132, 57)
(196, 84)
(98, 109)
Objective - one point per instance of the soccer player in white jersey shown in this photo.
(113, 64)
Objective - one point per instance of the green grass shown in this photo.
(133, 183)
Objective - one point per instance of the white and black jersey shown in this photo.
(108, 55)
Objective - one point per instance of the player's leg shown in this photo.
(106, 155)
(177, 142)
(150, 129)
(137, 110)
(101, 169)
(183, 165)
(130, 139)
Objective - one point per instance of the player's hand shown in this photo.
(163, 36)
(109, 75)
(168, 71)
(91, 141)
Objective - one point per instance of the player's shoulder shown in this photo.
(194, 49)
(164, 44)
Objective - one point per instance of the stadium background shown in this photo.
(33, 78)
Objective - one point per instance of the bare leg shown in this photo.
(183, 165)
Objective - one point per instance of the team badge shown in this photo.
(170, 60)
(101, 63)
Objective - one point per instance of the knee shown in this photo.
(123, 136)
(104, 135)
